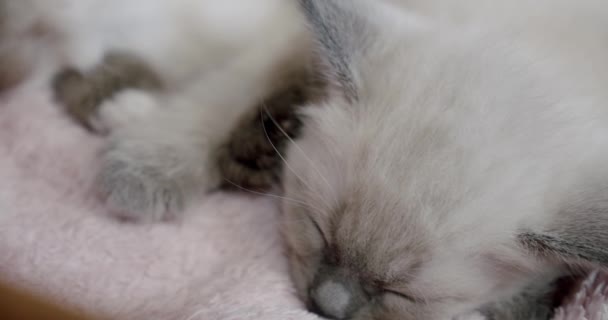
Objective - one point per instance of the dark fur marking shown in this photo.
(565, 247)
(536, 302)
(249, 159)
(341, 34)
(82, 93)
(578, 234)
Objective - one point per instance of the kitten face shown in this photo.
(410, 187)
(364, 245)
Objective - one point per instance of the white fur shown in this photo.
(465, 133)
(216, 58)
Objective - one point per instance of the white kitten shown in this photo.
(214, 58)
(459, 160)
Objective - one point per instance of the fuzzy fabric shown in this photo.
(222, 261)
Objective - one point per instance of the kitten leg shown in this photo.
(82, 94)
(158, 160)
(155, 160)
(536, 302)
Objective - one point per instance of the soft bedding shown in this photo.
(222, 261)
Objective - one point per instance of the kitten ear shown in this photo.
(579, 234)
(344, 30)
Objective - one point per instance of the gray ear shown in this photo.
(343, 30)
(579, 234)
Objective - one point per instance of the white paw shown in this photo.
(124, 109)
(136, 189)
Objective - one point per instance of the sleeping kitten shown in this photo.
(458, 163)
(167, 81)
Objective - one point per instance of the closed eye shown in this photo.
(318, 227)
(401, 295)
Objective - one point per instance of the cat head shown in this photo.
(395, 207)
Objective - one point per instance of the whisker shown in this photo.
(196, 314)
(280, 154)
(274, 196)
(296, 146)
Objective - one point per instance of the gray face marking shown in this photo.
(338, 293)
(332, 298)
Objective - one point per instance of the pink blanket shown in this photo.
(222, 261)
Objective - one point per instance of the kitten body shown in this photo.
(210, 62)
(459, 158)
